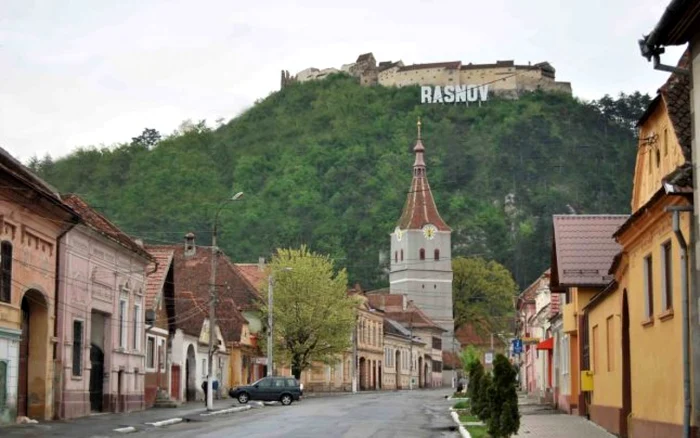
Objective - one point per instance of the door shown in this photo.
(175, 382)
(265, 389)
(23, 383)
(96, 378)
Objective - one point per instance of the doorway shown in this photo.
(626, 375)
(363, 373)
(96, 378)
(190, 375)
(421, 382)
(398, 367)
(33, 355)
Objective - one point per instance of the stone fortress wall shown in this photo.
(505, 78)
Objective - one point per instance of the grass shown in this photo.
(468, 418)
(461, 405)
(459, 395)
(478, 431)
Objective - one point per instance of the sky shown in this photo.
(94, 73)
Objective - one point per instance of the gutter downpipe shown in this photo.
(685, 290)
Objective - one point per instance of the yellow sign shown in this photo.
(528, 341)
(586, 380)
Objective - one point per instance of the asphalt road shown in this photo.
(422, 414)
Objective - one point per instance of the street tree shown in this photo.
(483, 292)
(313, 317)
(504, 418)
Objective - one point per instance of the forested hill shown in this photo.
(328, 163)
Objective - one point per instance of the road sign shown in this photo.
(517, 346)
(488, 358)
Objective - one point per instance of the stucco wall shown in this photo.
(607, 377)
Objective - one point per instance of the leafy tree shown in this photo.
(148, 138)
(503, 419)
(483, 293)
(626, 110)
(313, 315)
(470, 356)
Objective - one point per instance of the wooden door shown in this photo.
(175, 382)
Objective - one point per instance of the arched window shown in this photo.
(402, 255)
(6, 271)
(396, 256)
(421, 254)
(437, 254)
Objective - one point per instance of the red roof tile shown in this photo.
(420, 208)
(158, 271)
(192, 277)
(468, 335)
(393, 308)
(253, 273)
(102, 225)
(583, 249)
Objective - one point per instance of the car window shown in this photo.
(279, 383)
(265, 383)
(291, 382)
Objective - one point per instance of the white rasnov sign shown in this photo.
(454, 93)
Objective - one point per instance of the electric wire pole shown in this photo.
(270, 282)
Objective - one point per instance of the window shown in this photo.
(265, 383)
(150, 352)
(3, 384)
(658, 158)
(648, 288)
(292, 383)
(6, 275)
(610, 341)
(594, 348)
(437, 367)
(665, 142)
(122, 323)
(565, 355)
(396, 256)
(137, 326)
(204, 368)
(401, 255)
(667, 273)
(77, 348)
(437, 254)
(421, 254)
(161, 354)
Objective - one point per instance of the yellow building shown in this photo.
(635, 324)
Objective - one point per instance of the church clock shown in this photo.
(429, 231)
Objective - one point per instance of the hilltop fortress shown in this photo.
(503, 78)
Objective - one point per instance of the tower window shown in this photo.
(658, 158)
(402, 255)
(437, 254)
(421, 254)
(396, 256)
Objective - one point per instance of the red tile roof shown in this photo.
(102, 225)
(420, 208)
(158, 271)
(192, 277)
(451, 65)
(393, 308)
(583, 249)
(253, 273)
(468, 335)
(451, 360)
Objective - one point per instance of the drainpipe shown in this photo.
(677, 210)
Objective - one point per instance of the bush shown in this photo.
(476, 373)
(482, 408)
(503, 418)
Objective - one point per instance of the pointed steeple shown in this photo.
(420, 208)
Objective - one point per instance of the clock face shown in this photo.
(398, 233)
(429, 231)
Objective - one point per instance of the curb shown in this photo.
(227, 411)
(462, 430)
(125, 429)
(168, 422)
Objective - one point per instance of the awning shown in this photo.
(547, 344)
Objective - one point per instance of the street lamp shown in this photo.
(212, 300)
(270, 284)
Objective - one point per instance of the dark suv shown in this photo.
(282, 389)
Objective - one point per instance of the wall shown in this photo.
(694, 47)
(657, 395)
(606, 398)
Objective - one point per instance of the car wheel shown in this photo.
(243, 398)
(286, 399)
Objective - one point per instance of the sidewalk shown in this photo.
(543, 421)
(104, 424)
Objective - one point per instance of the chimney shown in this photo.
(261, 263)
(139, 242)
(190, 248)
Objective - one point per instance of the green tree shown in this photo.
(483, 292)
(483, 406)
(470, 356)
(503, 419)
(313, 315)
(476, 374)
(148, 138)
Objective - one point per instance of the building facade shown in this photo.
(100, 317)
(32, 220)
(421, 256)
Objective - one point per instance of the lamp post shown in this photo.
(270, 295)
(212, 301)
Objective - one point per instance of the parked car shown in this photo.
(282, 389)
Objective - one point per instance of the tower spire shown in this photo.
(419, 149)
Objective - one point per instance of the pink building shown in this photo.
(100, 317)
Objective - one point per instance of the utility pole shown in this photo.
(270, 282)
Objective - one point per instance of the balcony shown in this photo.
(569, 318)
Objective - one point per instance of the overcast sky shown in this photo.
(97, 72)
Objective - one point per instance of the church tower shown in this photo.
(421, 252)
